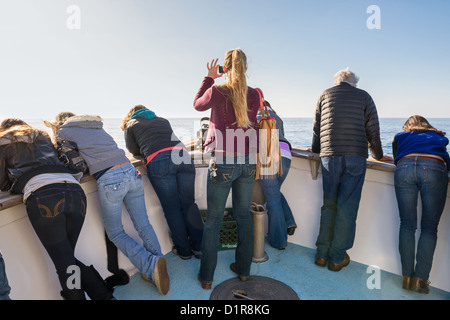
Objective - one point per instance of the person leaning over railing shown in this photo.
(281, 220)
(119, 183)
(345, 127)
(54, 199)
(172, 174)
(422, 164)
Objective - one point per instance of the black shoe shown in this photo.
(291, 230)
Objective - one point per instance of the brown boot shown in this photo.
(407, 283)
(420, 285)
(321, 262)
(338, 266)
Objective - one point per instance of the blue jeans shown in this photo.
(175, 186)
(240, 178)
(343, 179)
(431, 179)
(5, 289)
(278, 210)
(123, 185)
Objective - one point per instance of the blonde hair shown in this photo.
(346, 76)
(59, 121)
(236, 64)
(419, 123)
(129, 114)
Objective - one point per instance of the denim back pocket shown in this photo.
(225, 174)
(114, 192)
(51, 205)
(401, 174)
(251, 170)
(159, 167)
(355, 166)
(435, 177)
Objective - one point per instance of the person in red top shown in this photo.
(232, 141)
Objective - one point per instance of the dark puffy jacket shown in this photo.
(346, 123)
(145, 136)
(22, 159)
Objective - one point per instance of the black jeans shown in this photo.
(57, 213)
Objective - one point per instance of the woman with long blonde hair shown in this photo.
(232, 141)
(422, 164)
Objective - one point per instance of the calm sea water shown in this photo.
(297, 130)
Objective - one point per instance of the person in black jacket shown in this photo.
(345, 126)
(55, 203)
(171, 173)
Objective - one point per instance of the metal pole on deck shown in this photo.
(258, 212)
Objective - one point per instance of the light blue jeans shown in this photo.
(430, 179)
(342, 179)
(4, 286)
(123, 185)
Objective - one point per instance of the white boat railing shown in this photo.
(31, 273)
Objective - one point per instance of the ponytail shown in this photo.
(236, 64)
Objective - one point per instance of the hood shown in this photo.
(143, 113)
(84, 121)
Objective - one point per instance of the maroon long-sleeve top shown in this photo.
(223, 134)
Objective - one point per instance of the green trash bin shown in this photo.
(228, 232)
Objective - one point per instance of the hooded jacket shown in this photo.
(95, 145)
(146, 134)
(22, 158)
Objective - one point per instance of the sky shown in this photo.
(105, 56)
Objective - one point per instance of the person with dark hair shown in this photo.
(54, 199)
(171, 173)
(422, 164)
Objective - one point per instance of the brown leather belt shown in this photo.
(423, 157)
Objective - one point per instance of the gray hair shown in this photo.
(346, 76)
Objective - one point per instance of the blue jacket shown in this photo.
(420, 142)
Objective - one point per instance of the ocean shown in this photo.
(297, 130)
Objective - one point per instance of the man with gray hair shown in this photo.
(345, 127)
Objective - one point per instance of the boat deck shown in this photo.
(293, 266)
